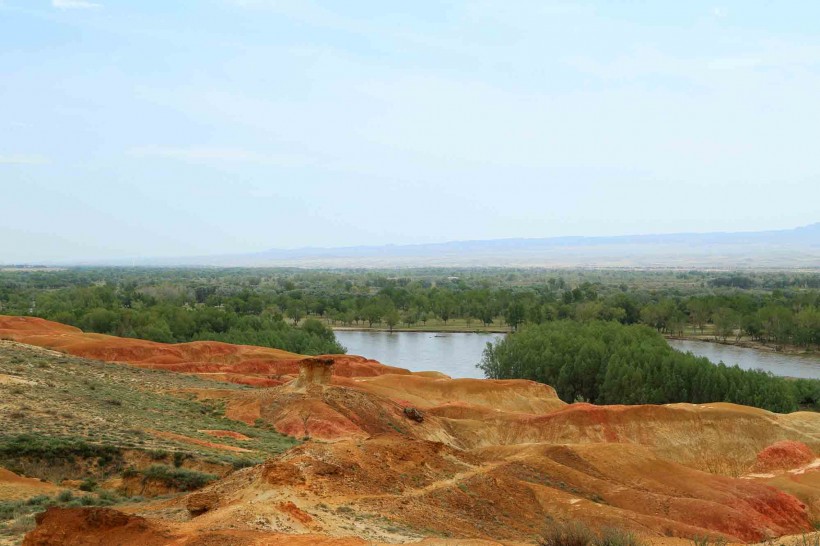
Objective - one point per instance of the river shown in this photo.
(753, 359)
(456, 354)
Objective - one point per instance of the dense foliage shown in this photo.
(176, 308)
(572, 324)
(52, 449)
(258, 305)
(611, 363)
(181, 479)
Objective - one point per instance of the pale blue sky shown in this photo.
(158, 128)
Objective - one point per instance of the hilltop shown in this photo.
(355, 451)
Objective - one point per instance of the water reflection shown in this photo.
(454, 354)
(751, 359)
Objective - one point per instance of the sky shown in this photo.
(198, 127)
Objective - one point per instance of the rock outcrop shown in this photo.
(313, 372)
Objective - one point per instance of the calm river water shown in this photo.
(777, 363)
(457, 354)
(454, 354)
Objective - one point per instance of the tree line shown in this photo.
(282, 306)
(168, 313)
(611, 363)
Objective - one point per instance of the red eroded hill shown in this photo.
(13, 486)
(397, 457)
(786, 454)
(243, 364)
(106, 527)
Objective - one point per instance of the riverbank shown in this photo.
(748, 344)
(461, 328)
(456, 326)
(457, 353)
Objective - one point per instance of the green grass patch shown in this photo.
(181, 479)
(53, 448)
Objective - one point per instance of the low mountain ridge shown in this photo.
(797, 248)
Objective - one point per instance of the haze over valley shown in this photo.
(795, 248)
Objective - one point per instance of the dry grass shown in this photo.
(576, 533)
(70, 399)
(63, 417)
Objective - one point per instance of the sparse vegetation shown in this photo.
(180, 479)
(576, 533)
(71, 430)
(17, 516)
(709, 541)
(52, 448)
(806, 540)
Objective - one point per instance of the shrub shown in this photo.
(181, 479)
(53, 448)
(576, 533)
(89, 484)
(568, 533)
(38, 500)
(179, 458)
(88, 501)
(239, 464)
(157, 454)
(711, 541)
(9, 509)
(617, 537)
(21, 525)
(106, 497)
(65, 496)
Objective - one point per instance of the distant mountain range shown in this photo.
(792, 248)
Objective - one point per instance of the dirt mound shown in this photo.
(34, 326)
(326, 412)
(14, 487)
(720, 438)
(510, 395)
(783, 455)
(107, 527)
(94, 527)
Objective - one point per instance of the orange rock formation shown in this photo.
(489, 460)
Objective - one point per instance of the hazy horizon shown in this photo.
(793, 248)
(237, 126)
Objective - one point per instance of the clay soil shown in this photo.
(388, 456)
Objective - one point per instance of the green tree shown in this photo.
(607, 362)
(295, 310)
(392, 318)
